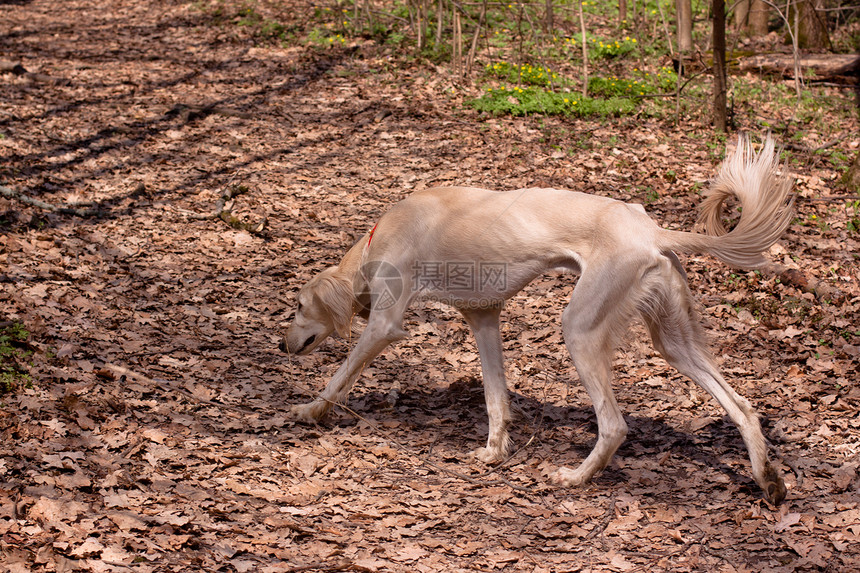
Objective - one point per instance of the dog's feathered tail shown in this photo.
(766, 207)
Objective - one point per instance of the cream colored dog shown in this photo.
(473, 249)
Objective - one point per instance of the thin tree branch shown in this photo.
(64, 209)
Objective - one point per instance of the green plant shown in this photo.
(651, 195)
(248, 16)
(598, 49)
(272, 29)
(733, 281)
(518, 101)
(613, 86)
(853, 223)
(526, 74)
(395, 38)
(323, 38)
(13, 337)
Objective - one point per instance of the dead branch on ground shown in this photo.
(843, 68)
(797, 278)
(17, 69)
(224, 211)
(65, 209)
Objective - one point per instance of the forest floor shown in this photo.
(145, 425)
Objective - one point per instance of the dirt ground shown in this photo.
(154, 433)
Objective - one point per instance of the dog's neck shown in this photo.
(350, 267)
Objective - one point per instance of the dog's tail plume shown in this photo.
(766, 206)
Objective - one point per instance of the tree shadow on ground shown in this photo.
(58, 162)
(457, 418)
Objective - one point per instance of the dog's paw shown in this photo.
(774, 486)
(308, 413)
(488, 455)
(566, 477)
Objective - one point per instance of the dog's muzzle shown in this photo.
(307, 343)
(284, 347)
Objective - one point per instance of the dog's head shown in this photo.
(325, 306)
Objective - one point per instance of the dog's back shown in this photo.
(535, 228)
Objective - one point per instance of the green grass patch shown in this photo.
(518, 101)
(644, 84)
(527, 74)
(321, 37)
(613, 86)
(853, 223)
(13, 351)
(264, 29)
(539, 90)
(609, 49)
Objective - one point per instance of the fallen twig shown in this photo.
(607, 518)
(170, 387)
(831, 198)
(224, 211)
(323, 566)
(17, 69)
(822, 147)
(797, 278)
(65, 209)
(191, 111)
(455, 473)
(471, 479)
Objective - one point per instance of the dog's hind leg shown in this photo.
(598, 307)
(383, 328)
(677, 335)
(485, 327)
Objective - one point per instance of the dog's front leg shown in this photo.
(381, 330)
(485, 326)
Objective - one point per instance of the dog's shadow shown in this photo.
(447, 422)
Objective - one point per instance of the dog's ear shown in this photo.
(335, 293)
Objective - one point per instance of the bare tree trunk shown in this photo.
(418, 21)
(851, 179)
(666, 29)
(808, 15)
(470, 59)
(457, 44)
(684, 10)
(719, 41)
(440, 16)
(584, 53)
(548, 22)
(622, 11)
(741, 15)
(759, 15)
